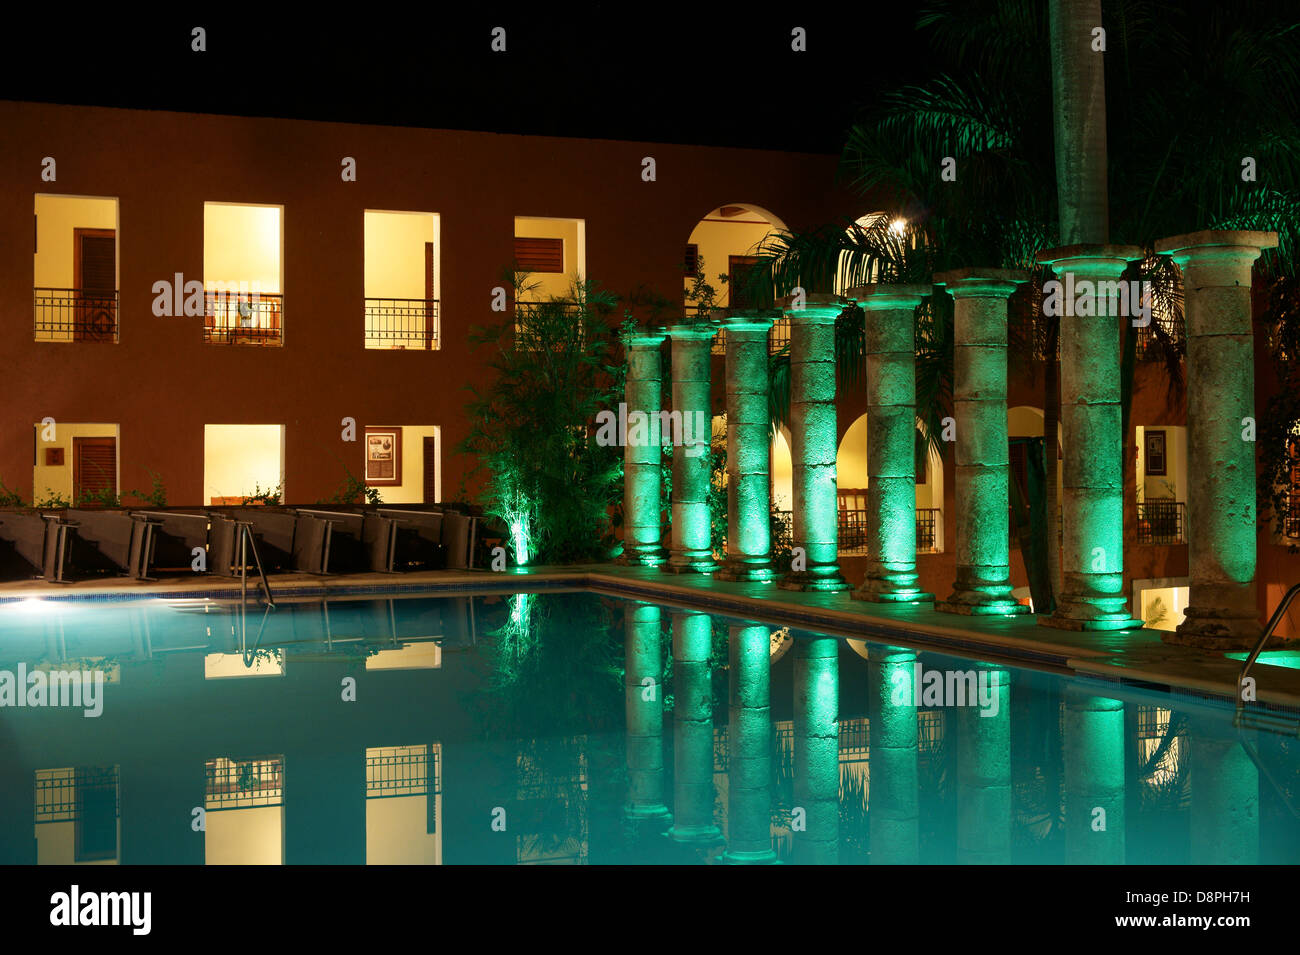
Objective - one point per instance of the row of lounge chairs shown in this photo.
(76, 543)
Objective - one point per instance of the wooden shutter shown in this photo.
(98, 272)
(430, 470)
(539, 255)
(739, 269)
(94, 466)
(692, 264)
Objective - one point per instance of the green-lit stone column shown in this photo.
(691, 551)
(984, 776)
(642, 504)
(1222, 612)
(692, 731)
(895, 755)
(891, 446)
(813, 443)
(817, 751)
(749, 450)
(1092, 474)
(749, 777)
(643, 668)
(1224, 785)
(983, 584)
(1094, 779)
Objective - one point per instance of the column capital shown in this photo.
(644, 337)
(879, 296)
(1090, 259)
(747, 319)
(692, 331)
(981, 282)
(1228, 254)
(814, 307)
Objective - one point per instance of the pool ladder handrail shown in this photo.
(248, 542)
(1272, 625)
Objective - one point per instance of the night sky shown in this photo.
(620, 71)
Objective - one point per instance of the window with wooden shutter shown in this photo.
(539, 255)
(94, 268)
(94, 467)
(692, 260)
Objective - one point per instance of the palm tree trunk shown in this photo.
(1079, 115)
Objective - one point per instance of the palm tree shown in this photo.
(1190, 94)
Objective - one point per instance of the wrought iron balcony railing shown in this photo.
(1161, 522)
(74, 315)
(243, 318)
(777, 339)
(535, 322)
(402, 323)
(852, 529)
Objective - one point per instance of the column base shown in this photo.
(975, 604)
(642, 558)
(893, 596)
(1107, 621)
(690, 565)
(1212, 629)
(822, 580)
(658, 813)
(755, 857)
(747, 569)
(696, 835)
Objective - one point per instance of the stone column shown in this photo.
(1222, 612)
(1094, 779)
(692, 731)
(642, 504)
(817, 750)
(813, 442)
(891, 444)
(895, 756)
(1092, 476)
(692, 425)
(984, 775)
(749, 776)
(749, 449)
(983, 585)
(644, 702)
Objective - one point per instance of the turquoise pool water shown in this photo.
(576, 728)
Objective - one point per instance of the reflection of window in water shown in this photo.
(244, 799)
(424, 655)
(550, 815)
(1153, 725)
(403, 804)
(77, 811)
(260, 662)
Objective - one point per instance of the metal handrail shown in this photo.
(247, 542)
(1273, 621)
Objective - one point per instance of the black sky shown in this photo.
(621, 71)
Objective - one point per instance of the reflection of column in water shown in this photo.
(1094, 779)
(692, 731)
(749, 816)
(984, 775)
(816, 750)
(1225, 795)
(643, 650)
(894, 812)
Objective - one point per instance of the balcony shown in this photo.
(1161, 522)
(539, 324)
(777, 338)
(74, 315)
(402, 323)
(852, 529)
(243, 318)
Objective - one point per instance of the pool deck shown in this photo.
(1132, 656)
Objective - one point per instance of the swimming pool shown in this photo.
(562, 727)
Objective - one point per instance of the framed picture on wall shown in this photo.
(383, 456)
(1155, 452)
